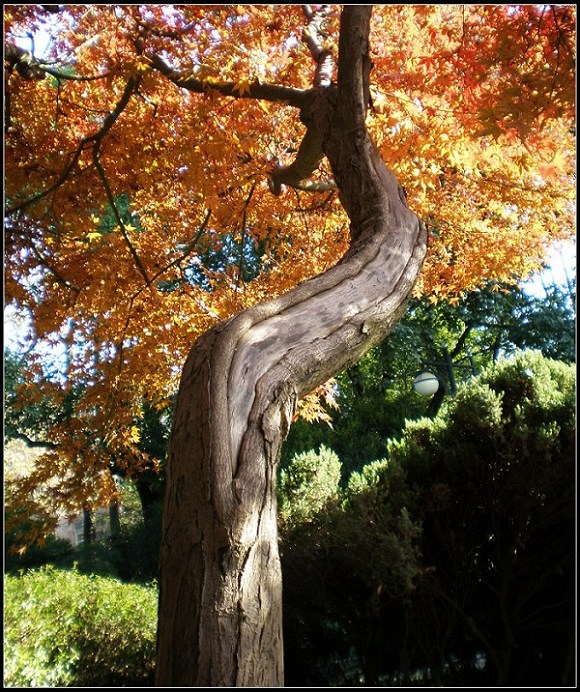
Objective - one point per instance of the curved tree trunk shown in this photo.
(220, 619)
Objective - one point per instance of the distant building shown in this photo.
(73, 529)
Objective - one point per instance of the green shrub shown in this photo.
(63, 628)
(452, 561)
(309, 483)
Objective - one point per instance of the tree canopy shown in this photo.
(151, 193)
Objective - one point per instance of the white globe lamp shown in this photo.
(426, 383)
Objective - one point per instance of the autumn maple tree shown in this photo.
(214, 176)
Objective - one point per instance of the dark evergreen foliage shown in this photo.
(452, 562)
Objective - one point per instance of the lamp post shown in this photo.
(427, 383)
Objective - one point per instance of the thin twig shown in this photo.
(243, 238)
(118, 218)
(188, 249)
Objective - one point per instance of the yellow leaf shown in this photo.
(211, 81)
(243, 87)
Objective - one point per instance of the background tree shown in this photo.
(498, 518)
(374, 397)
(452, 561)
(32, 421)
(90, 95)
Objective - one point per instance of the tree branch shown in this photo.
(310, 152)
(312, 37)
(307, 160)
(22, 60)
(265, 92)
(28, 441)
(52, 188)
(316, 185)
(122, 228)
(243, 238)
(53, 270)
(188, 249)
(96, 141)
(30, 67)
(461, 341)
(91, 140)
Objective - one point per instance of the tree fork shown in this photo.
(220, 610)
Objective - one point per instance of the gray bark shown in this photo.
(220, 619)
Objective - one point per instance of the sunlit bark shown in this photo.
(220, 618)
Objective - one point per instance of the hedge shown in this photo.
(65, 629)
